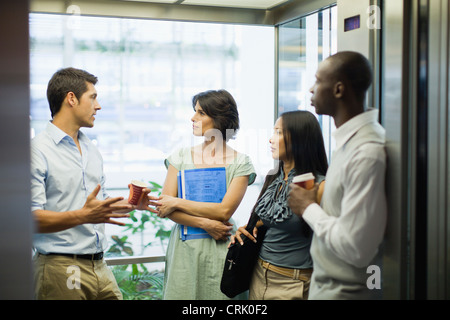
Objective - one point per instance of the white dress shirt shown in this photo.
(349, 225)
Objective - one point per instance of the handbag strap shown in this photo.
(252, 221)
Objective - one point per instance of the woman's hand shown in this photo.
(166, 205)
(217, 229)
(146, 200)
(243, 231)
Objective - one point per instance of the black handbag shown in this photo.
(240, 261)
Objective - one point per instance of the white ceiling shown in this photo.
(247, 4)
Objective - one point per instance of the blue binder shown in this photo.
(203, 185)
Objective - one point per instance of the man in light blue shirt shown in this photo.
(69, 201)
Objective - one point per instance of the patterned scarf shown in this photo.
(273, 206)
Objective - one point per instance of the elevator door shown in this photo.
(438, 180)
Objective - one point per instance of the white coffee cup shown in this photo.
(304, 180)
(136, 191)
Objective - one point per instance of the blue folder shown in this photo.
(203, 185)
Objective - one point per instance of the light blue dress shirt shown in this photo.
(61, 180)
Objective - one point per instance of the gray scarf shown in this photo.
(273, 206)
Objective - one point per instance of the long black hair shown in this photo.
(304, 144)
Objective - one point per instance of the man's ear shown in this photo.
(339, 89)
(71, 99)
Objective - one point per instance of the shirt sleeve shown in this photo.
(245, 167)
(356, 234)
(175, 159)
(38, 180)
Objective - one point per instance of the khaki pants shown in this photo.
(65, 278)
(269, 285)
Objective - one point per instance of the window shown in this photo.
(303, 43)
(148, 72)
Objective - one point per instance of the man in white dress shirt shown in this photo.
(350, 222)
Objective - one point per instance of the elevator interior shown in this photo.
(408, 45)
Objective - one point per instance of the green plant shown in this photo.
(138, 284)
(120, 245)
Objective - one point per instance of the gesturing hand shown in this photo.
(102, 211)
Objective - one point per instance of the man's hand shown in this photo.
(102, 211)
(299, 198)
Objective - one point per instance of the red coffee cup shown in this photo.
(304, 180)
(136, 191)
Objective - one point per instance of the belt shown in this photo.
(95, 256)
(296, 274)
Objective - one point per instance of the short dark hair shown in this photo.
(221, 107)
(64, 81)
(355, 69)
